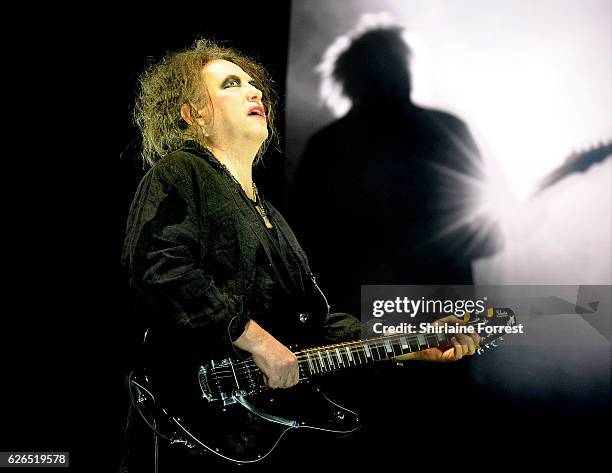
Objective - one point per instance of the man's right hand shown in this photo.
(278, 364)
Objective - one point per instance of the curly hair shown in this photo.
(176, 80)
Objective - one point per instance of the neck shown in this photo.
(330, 358)
(345, 355)
(239, 162)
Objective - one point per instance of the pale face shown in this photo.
(238, 113)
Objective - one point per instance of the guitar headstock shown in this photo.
(578, 161)
(492, 325)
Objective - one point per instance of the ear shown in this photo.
(199, 118)
(186, 113)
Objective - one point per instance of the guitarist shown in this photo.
(211, 263)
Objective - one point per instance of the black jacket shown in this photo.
(200, 260)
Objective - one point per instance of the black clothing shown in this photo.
(200, 257)
(201, 263)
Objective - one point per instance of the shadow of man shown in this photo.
(388, 193)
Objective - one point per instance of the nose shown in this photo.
(254, 94)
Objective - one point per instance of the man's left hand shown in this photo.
(463, 345)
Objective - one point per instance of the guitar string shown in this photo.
(248, 366)
(359, 347)
(323, 358)
(249, 375)
(303, 357)
(246, 369)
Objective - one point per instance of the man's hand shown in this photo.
(463, 345)
(275, 360)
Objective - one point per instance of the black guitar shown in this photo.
(223, 406)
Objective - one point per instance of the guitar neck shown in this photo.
(330, 358)
(361, 352)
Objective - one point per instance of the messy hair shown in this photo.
(176, 80)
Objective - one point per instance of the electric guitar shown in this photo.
(224, 408)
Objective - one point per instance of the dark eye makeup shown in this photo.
(234, 81)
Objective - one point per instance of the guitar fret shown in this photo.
(317, 364)
(349, 354)
(377, 346)
(421, 340)
(339, 356)
(368, 353)
(358, 351)
(404, 344)
(310, 365)
(387, 345)
(374, 351)
(321, 360)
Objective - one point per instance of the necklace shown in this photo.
(257, 202)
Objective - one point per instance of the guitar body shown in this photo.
(242, 428)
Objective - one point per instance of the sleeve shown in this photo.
(165, 245)
(341, 327)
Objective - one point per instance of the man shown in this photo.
(212, 264)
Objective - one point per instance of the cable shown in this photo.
(135, 404)
(156, 451)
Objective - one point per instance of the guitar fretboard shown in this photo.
(330, 358)
(345, 355)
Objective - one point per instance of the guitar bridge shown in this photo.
(212, 377)
(223, 381)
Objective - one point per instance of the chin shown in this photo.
(262, 134)
(257, 133)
